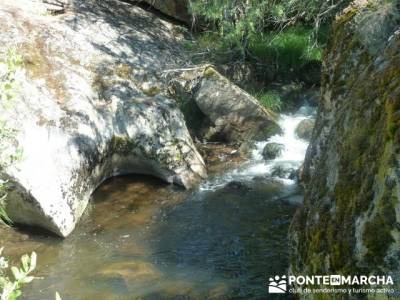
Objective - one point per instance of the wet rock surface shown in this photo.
(285, 172)
(246, 149)
(272, 150)
(219, 158)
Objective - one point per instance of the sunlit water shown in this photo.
(143, 239)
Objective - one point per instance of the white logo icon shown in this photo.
(277, 285)
(335, 280)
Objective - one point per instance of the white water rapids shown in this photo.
(291, 157)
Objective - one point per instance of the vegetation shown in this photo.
(270, 99)
(11, 278)
(9, 66)
(10, 289)
(236, 26)
(286, 53)
(282, 40)
(252, 15)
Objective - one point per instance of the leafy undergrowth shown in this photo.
(10, 287)
(292, 55)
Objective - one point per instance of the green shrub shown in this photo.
(235, 21)
(279, 37)
(10, 288)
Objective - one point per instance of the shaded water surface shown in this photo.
(143, 239)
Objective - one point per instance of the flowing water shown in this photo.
(143, 239)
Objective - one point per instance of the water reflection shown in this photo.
(143, 239)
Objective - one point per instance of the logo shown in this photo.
(277, 285)
(335, 280)
(315, 284)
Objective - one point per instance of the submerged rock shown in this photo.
(272, 150)
(349, 223)
(129, 272)
(266, 186)
(236, 186)
(228, 113)
(89, 106)
(220, 158)
(284, 172)
(304, 129)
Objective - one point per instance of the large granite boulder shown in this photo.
(89, 105)
(350, 222)
(218, 110)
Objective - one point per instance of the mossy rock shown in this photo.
(304, 129)
(349, 222)
(267, 132)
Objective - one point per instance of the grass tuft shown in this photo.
(289, 51)
(269, 99)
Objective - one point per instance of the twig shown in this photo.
(187, 69)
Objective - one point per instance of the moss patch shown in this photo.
(39, 63)
(122, 145)
(355, 141)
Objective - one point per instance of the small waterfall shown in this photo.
(291, 158)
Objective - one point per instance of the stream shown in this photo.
(143, 239)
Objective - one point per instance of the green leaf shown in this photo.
(33, 261)
(27, 279)
(25, 262)
(3, 281)
(16, 272)
(14, 295)
(58, 296)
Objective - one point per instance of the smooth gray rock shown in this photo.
(229, 114)
(90, 106)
